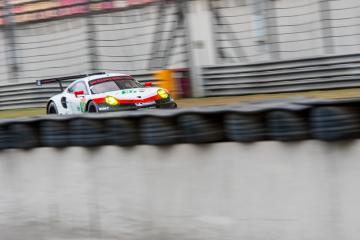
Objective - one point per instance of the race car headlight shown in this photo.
(111, 101)
(162, 93)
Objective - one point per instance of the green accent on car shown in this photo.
(128, 91)
(82, 106)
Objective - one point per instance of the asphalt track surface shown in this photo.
(214, 101)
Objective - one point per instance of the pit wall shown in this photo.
(264, 190)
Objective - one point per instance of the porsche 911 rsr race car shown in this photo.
(105, 92)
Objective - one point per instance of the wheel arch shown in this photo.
(56, 108)
(48, 104)
(87, 105)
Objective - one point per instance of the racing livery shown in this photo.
(105, 92)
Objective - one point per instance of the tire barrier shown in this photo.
(22, 135)
(334, 122)
(197, 128)
(85, 132)
(280, 120)
(286, 126)
(122, 132)
(53, 133)
(244, 127)
(4, 137)
(158, 131)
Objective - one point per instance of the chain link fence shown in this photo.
(262, 30)
(144, 38)
(135, 40)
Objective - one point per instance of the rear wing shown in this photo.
(60, 79)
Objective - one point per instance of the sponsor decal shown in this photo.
(128, 91)
(104, 108)
(82, 104)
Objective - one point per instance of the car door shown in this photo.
(77, 102)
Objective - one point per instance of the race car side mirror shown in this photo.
(148, 84)
(78, 93)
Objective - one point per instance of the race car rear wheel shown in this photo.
(52, 109)
(92, 108)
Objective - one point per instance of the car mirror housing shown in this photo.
(148, 84)
(78, 93)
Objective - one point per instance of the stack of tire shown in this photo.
(277, 121)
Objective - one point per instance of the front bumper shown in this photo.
(160, 104)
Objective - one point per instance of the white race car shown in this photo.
(105, 92)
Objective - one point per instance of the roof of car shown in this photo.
(89, 78)
(97, 76)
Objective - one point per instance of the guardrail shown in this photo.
(320, 73)
(28, 95)
(330, 72)
(281, 120)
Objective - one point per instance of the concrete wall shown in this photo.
(3, 63)
(267, 190)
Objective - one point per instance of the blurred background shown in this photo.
(274, 170)
(213, 47)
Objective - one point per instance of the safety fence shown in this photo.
(136, 39)
(161, 35)
(332, 72)
(282, 120)
(258, 30)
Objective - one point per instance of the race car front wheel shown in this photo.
(92, 108)
(52, 109)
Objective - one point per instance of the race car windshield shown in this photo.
(114, 85)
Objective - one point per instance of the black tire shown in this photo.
(92, 107)
(241, 127)
(287, 126)
(196, 128)
(53, 133)
(158, 131)
(51, 108)
(23, 135)
(121, 132)
(85, 132)
(330, 123)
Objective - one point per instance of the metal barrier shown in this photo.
(332, 72)
(281, 120)
(28, 95)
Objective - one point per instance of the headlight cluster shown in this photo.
(111, 100)
(163, 93)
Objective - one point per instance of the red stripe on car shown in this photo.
(144, 100)
(99, 100)
(129, 101)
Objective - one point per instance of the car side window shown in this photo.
(80, 86)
